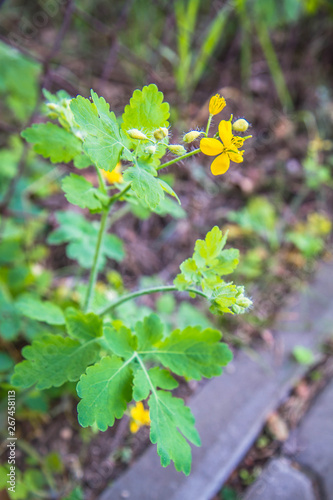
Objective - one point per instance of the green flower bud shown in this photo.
(191, 136)
(161, 133)
(151, 149)
(177, 149)
(240, 125)
(52, 106)
(134, 133)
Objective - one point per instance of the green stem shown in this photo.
(148, 291)
(94, 269)
(179, 158)
(144, 369)
(119, 195)
(101, 233)
(101, 181)
(208, 124)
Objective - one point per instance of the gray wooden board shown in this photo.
(230, 410)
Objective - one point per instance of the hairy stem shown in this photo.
(179, 158)
(148, 291)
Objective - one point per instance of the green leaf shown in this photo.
(53, 142)
(82, 238)
(145, 185)
(40, 310)
(19, 77)
(82, 326)
(157, 376)
(120, 341)
(194, 353)
(168, 189)
(229, 298)
(146, 110)
(53, 360)
(105, 390)
(205, 268)
(9, 317)
(103, 141)
(80, 192)
(171, 423)
(149, 331)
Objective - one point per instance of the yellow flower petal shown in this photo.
(237, 157)
(114, 176)
(211, 147)
(134, 427)
(216, 104)
(225, 132)
(220, 165)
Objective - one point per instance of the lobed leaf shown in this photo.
(105, 390)
(103, 140)
(40, 310)
(83, 327)
(81, 236)
(145, 185)
(80, 192)
(194, 353)
(53, 360)
(172, 424)
(53, 142)
(146, 110)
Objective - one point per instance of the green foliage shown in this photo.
(172, 423)
(309, 237)
(53, 142)
(145, 185)
(83, 327)
(146, 111)
(82, 193)
(40, 310)
(53, 360)
(204, 270)
(19, 97)
(109, 385)
(259, 217)
(103, 141)
(81, 236)
(105, 390)
(137, 356)
(190, 62)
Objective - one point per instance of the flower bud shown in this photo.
(177, 149)
(240, 125)
(52, 106)
(191, 136)
(151, 149)
(161, 133)
(134, 133)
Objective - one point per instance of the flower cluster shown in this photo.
(227, 148)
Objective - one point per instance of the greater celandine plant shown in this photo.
(113, 363)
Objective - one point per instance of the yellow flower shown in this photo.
(216, 104)
(227, 149)
(114, 176)
(139, 417)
